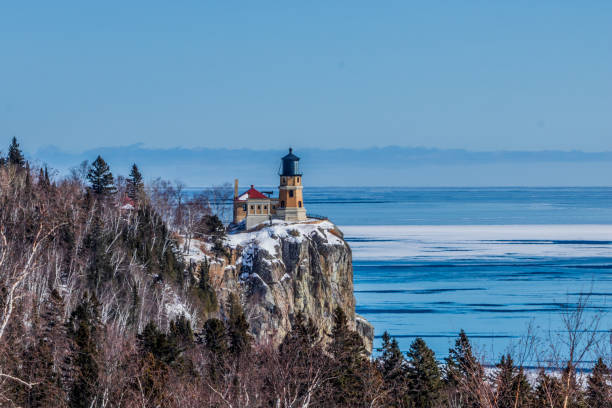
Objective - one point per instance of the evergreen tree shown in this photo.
(348, 353)
(303, 335)
(216, 341)
(100, 269)
(464, 375)
(572, 391)
(599, 390)
(393, 369)
(214, 226)
(215, 337)
(135, 307)
(28, 179)
(512, 388)
(83, 329)
(15, 155)
(180, 332)
(237, 327)
(135, 184)
(43, 178)
(424, 376)
(100, 177)
(302, 356)
(38, 365)
(548, 392)
(205, 292)
(158, 344)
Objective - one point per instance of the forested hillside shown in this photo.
(101, 307)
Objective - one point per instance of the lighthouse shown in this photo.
(254, 207)
(290, 198)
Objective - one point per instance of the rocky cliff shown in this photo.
(282, 269)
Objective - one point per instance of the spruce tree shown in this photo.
(424, 376)
(37, 363)
(548, 392)
(206, 292)
(135, 185)
(15, 155)
(237, 327)
(304, 335)
(512, 388)
(463, 374)
(101, 178)
(83, 329)
(216, 341)
(349, 361)
(304, 359)
(573, 397)
(100, 269)
(158, 344)
(599, 390)
(392, 366)
(180, 332)
(215, 337)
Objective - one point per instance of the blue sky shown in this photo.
(478, 75)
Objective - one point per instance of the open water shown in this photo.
(492, 261)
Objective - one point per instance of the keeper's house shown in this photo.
(253, 207)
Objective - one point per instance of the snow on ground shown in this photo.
(195, 252)
(268, 238)
(174, 307)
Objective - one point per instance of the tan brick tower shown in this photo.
(290, 199)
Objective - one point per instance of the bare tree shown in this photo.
(219, 198)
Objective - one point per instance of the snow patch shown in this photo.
(173, 305)
(269, 238)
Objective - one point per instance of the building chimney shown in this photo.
(235, 189)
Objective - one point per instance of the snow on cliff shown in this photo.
(269, 237)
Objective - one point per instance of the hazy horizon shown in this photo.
(384, 167)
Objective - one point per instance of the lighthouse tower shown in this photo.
(290, 199)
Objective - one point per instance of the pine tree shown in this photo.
(206, 293)
(135, 185)
(180, 332)
(348, 353)
(100, 269)
(464, 375)
(304, 362)
(214, 226)
(135, 307)
(159, 344)
(37, 364)
(216, 341)
(237, 328)
(548, 392)
(215, 337)
(512, 388)
(28, 179)
(393, 369)
(571, 389)
(100, 177)
(424, 376)
(15, 155)
(304, 335)
(599, 390)
(83, 329)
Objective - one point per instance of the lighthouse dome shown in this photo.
(290, 166)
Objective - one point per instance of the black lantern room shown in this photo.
(291, 165)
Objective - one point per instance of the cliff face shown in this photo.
(284, 269)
